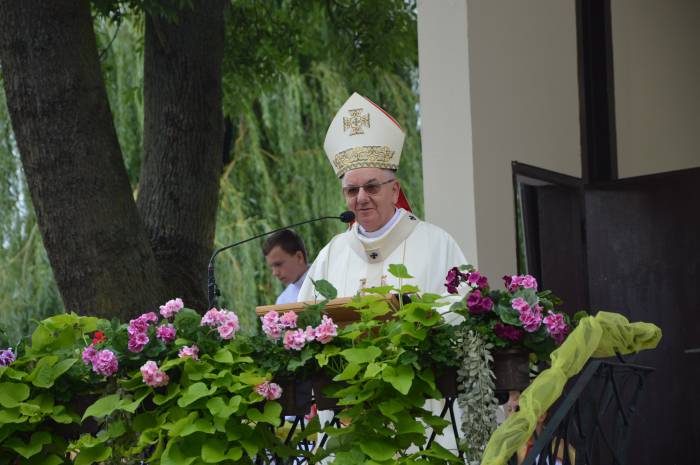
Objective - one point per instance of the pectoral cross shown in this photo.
(373, 255)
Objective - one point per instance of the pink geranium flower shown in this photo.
(270, 391)
(294, 339)
(326, 331)
(105, 363)
(137, 342)
(153, 376)
(191, 352)
(289, 320)
(520, 304)
(531, 319)
(171, 307)
(556, 326)
(89, 354)
(166, 333)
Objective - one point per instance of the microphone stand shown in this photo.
(213, 290)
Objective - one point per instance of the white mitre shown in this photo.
(363, 135)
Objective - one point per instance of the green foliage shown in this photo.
(288, 66)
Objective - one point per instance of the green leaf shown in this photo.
(193, 393)
(399, 271)
(325, 288)
(361, 355)
(36, 442)
(46, 460)
(173, 455)
(104, 406)
(378, 449)
(61, 415)
(213, 451)
(348, 373)
(224, 356)
(11, 394)
(202, 425)
(400, 377)
(251, 379)
(382, 290)
(373, 369)
(390, 407)
(173, 390)
(11, 415)
(270, 414)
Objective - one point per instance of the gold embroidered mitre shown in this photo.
(362, 135)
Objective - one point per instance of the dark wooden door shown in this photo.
(643, 252)
(638, 254)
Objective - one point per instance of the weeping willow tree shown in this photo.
(288, 66)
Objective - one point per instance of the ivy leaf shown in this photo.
(348, 373)
(103, 406)
(36, 442)
(195, 392)
(325, 288)
(11, 394)
(213, 451)
(399, 271)
(400, 377)
(270, 414)
(361, 355)
(224, 356)
(46, 460)
(378, 449)
(173, 455)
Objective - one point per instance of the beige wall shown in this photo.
(523, 96)
(656, 55)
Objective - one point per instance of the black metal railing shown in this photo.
(591, 423)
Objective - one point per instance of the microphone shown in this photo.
(213, 291)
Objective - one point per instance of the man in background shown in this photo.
(285, 254)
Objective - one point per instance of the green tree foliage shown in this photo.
(288, 66)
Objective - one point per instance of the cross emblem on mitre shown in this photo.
(356, 122)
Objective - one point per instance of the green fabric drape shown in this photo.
(601, 335)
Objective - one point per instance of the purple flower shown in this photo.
(7, 357)
(515, 281)
(88, 354)
(508, 332)
(211, 318)
(105, 363)
(531, 319)
(478, 304)
(139, 325)
(137, 342)
(171, 307)
(475, 279)
(520, 304)
(166, 333)
(453, 279)
(556, 325)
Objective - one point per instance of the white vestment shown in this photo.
(351, 262)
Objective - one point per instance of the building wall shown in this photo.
(521, 103)
(656, 56)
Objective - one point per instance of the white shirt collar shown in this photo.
(383, 229)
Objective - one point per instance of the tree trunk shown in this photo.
(183, 143)
(96, 242)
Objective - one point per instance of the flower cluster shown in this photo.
(138, 331)
(7, 357)
(296, 338)
(103, 362)
(270, 391)
(519, 315)
(171, 307)
(152, 375)
(225, 322)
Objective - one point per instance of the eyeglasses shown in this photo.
(371, 188)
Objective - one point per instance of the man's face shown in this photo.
(372, 205)
(288, 268)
